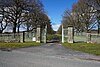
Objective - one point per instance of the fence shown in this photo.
(18, 37)
(29, 36)
(9, 37)
(65, 34)
(82, 36)
(95, 38)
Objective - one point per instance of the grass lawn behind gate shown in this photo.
(18, 45)
(84, 47)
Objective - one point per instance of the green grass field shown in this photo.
(84, 47)
(18, 45)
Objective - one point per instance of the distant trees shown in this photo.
(27, 14)
(82, 17)
(49, 28)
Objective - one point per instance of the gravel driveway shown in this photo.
(48, 55)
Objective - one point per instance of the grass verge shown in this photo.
(84, 47)
(18, 45)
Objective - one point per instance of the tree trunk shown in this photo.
(14, 28)
(87, 31)
(27, 28)
(18, 28)
(1, 31)
(98, 27)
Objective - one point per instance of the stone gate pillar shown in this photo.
(38, 34)
(22, 37)
(45, 34)
(70, 34)
(88, 37)
(62, 34)
(34, 35)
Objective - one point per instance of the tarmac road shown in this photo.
(48, 55)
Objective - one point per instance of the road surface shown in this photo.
(49, 55)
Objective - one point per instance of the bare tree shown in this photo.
(71, 18)
(3, 16)
(35, 11)
(26, 13)
(16, 11)
(82, 16)
(87, 15)
(96, 5)
(37, 15)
